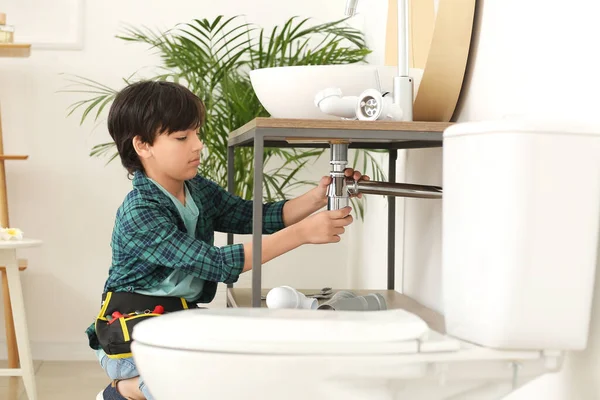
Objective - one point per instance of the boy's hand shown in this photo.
(321, 189)
(324, 226)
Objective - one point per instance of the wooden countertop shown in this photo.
(4, 157)
(374, 133)
(414, 126)
(240, 297)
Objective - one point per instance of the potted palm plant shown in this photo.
(212, 58)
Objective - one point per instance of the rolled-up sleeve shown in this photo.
(234, 214)
(150, 236)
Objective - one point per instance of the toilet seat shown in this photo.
(292, 331)
(344, 355)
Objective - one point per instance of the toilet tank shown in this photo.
(521, 215)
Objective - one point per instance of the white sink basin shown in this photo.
(289, 92)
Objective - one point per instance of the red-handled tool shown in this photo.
(158, 310)
(115, 316)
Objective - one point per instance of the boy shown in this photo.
(162, 242)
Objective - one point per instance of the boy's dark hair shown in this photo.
(148, 109)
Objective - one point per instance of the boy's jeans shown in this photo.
(122, 368)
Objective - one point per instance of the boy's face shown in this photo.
(175, 156)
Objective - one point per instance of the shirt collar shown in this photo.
(144, 185)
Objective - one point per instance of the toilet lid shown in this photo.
(288, 331)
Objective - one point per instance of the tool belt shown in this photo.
(121, 311)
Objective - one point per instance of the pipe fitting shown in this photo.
(330, 101)
(337, 191)
(393, 189)
(372, 105)
(341, 187)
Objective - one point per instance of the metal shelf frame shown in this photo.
(262, 133)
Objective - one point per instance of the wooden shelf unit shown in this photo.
(15, 50)
(4, 157)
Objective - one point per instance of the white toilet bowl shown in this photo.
(300, 354)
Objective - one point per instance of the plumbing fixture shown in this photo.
(372, 106)
(394, 189)
(341, 188)
(332, 102)
(403, 84)
(337, 191)
(351, 8)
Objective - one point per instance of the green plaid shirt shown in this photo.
(150, 240)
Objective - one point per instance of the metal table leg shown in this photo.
(230, 186)
(391, 273)
(257, 222)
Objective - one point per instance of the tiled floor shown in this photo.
(58, 380)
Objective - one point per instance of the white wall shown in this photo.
(529, 58)
(69, 200)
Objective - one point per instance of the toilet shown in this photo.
(303, 354)
(521, 215)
